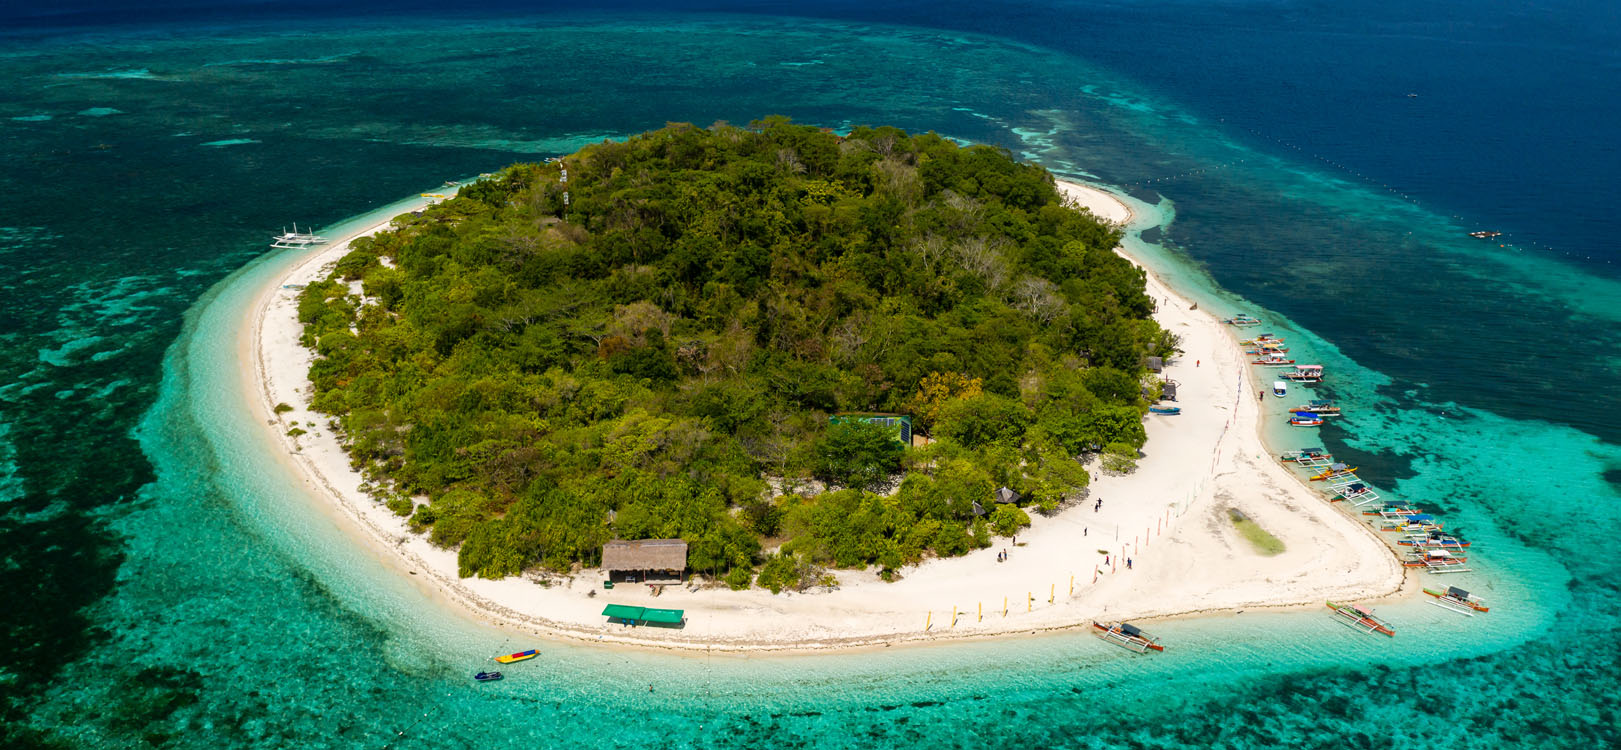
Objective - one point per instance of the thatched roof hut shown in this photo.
(645, 555)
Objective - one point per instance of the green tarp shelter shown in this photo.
(643, 615)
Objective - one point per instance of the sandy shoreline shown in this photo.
(1169, 517)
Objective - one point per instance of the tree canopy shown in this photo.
(653, 345)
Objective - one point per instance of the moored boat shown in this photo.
(1437, 561)
(1416, 523)
(488, 676)
(1272, 360)
(1320, 407)
(1360, 618)
(1127, 635)
(1390, 511)
(1485, 234)
(1305, 374)
(1433, 540)
(1280, 388)
(1334, 471)
(1457, 600)
(1305, 419)
(1305, 454)
(520, 656)
(1242, 320)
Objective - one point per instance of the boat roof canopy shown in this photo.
(1339, 467)
(644, 614)
(1455, 591)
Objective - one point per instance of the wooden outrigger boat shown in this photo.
(1305, 374)
(1320, 407)
(1359, 618)
(1264, 339)
(1304, 454)
(1357, 493)
(520, 656)
(1416, 523)
(1437, 561)
(1457, 600)
(1433, 540)
(1391, 511)
(1242, 320)
(1305, 419)
(1272, 360)
(1485, 234)
(1172, 410)
(1335, 471)
(1127, 635)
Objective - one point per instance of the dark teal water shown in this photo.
(171, 588)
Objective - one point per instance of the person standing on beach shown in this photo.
(1128, 563)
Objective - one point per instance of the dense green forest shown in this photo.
(647, 339)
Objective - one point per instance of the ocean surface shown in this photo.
(1315, 164)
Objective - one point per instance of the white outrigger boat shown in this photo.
(1454, 599)
(295, 239)
(1127, 635)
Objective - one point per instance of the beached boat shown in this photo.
(1320, 407)
(1305, 454)
(1437, 561)
(520, 656)
(1305, 419)
(1416, 523)
(1305, 374)
(1272, 360)
(1242, 320)
(488, 676)
(1262, 340)
(1457, 600)
(1165, 409)
(1280, 388)
(1358, 493)
(1395, 510)
(1334, 471)
(1360, 618)
(1433, 540)
(1127, 635)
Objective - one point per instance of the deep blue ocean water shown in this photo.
(168, 588)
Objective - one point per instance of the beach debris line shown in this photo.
(1127, 636)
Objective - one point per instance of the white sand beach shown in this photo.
(1169, 517)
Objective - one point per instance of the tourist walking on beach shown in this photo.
(1128, 563)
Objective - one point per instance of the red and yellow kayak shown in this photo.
(520, 656)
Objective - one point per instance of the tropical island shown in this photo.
(657, 338)
(836, 390)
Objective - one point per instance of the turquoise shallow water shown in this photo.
(200, 602)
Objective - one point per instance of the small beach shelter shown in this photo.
(1167, 390)
(638, 560)
(1005, 495)
(1155, 364)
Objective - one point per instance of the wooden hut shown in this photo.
(640, 560)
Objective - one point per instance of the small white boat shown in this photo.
(1280, 388)
(296, 239)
